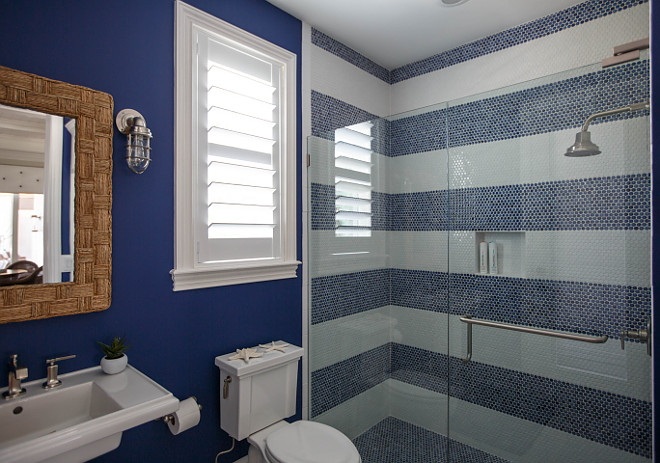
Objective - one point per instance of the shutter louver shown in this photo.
(353, 180)
(242, 133)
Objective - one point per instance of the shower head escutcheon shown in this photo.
(583, 145)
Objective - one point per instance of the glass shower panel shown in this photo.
(377, 253)
(572, 241)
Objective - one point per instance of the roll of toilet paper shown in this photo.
(186, 417)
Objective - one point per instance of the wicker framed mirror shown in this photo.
(90, 289)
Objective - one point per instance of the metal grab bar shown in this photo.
(524, 329)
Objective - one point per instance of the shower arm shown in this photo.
(611, 112)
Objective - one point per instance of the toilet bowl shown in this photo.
(301, 442)
(257, 392)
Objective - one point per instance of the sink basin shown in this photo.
(81, 419)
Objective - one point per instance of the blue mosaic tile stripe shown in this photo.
(419, 133)
(420, 367)
(551, 107)
(419, 289)
(393, 440)
(380, 211)
(610, 419)
(548, 25)
(329, 114)
(337, 296)
(586, 308)
(423, 211)
(322, 198)
(337, 383)
(603, 203)
(337, 48)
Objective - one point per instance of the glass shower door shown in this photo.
(377, 253)
(571, 238)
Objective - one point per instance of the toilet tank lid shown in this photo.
(267, 361)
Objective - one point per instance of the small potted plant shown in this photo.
(115, 360)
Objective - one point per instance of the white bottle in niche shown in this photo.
(492, 257)
(483, 257)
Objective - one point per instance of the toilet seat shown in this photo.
(307, 441)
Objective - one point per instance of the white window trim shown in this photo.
(187, 273)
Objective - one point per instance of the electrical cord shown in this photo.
(233, 442)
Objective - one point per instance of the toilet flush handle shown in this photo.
(225, 388)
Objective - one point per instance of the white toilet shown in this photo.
(256, 397)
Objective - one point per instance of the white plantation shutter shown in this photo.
(353, 180)
(235, 153)
(240, 134)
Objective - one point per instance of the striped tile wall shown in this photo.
(618, 202)
(548, 25)
(614, 420)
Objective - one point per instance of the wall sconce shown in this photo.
(138, 147)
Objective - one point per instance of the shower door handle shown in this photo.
(642, 335)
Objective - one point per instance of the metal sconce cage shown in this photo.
(138, 146)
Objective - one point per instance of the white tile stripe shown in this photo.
(538, 158)
(532, 159)
(340, 79)
(613, 257)
(340, 339)
(359, 413)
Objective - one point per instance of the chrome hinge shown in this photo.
(626, 52)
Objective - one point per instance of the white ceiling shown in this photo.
(397, 32)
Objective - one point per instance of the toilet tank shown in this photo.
(259, 393)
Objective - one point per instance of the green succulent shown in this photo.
(116, 349)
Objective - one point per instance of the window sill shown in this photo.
(196, 278)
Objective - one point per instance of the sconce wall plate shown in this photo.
(124, 117)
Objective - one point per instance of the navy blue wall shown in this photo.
(126, 48)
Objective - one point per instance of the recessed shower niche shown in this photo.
(510, 252)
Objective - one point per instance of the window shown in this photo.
(353, 180)
(235, 155)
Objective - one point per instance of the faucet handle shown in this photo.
(60, 359)
(20, 371)
(51, 376)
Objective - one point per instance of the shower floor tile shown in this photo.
(394, 440)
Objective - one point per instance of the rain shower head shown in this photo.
(583, 145)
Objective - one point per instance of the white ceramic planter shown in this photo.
(114, 366)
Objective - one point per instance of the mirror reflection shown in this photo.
(37, 169)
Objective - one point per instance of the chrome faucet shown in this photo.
(51, 380)
(16, 374)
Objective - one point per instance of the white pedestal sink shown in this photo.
(81, 419)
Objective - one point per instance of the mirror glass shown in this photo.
(37, 166)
